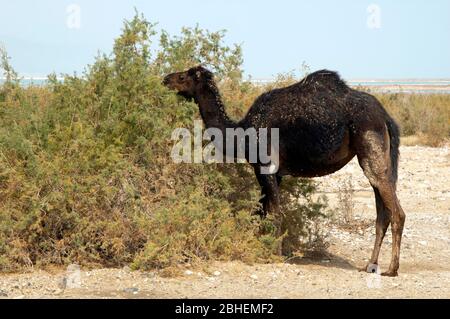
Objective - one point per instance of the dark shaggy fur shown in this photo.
(323, 124)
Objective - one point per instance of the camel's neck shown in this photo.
(212, 108)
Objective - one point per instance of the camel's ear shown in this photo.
(195, 73)
(200, 74)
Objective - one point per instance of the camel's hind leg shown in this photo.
(374, 158)
(382, 224)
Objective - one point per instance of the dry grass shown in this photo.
(423, 118)
(345, 217)
(346, 203)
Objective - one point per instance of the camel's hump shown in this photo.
(325, 77)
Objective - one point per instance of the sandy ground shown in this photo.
(424, 191)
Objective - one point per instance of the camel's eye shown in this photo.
(182, 77)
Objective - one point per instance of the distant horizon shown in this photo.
(416, 86)
(45, 77)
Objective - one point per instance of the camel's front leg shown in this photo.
(270, 197)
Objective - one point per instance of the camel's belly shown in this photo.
(317, 170)
(298, 162)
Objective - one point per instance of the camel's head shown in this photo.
(187, 83)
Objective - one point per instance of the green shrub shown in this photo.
(85, 171)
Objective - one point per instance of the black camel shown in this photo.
(323, 124)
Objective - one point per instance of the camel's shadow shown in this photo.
(325, 260)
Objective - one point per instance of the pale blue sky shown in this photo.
(413, 40)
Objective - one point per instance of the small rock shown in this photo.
(423, 242)
(217, 273)
(3, 293)
(254, 277)
(188, 273)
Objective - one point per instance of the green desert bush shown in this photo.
(303, 217)
(85, 170)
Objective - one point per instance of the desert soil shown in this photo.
(424, 192)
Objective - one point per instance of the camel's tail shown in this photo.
(394, 135)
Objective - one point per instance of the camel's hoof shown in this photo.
(390, 274)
